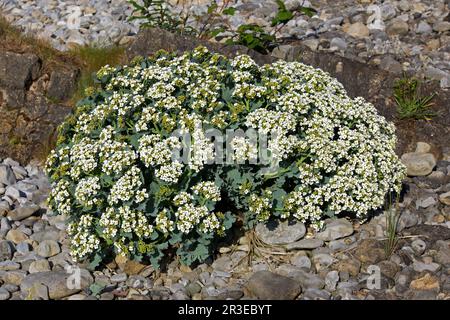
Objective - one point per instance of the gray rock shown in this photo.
(23, 212)
(270, 286)
(306, 279)
(331, 280)
(425, 202)
(322, 261)
(18, 70)
(62, 84)
(277, 233)
(120, 277)
(48, 248)
(223, 264)
(423, 28)
(7, 176)
(338, 43)
(23, 248)
(336, 229)
(6, 250)
(5, 226)
(4, 294)
(419, 246)
(57, 283)
(9, 265)
(305, 244)
(388, 63)
(301, 262)
(316, 294)
(419, 266)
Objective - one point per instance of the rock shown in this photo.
(441, 26)
(7, 176)
(370, 251)
(423, 28)
(336, 229)
(443, 254)
(425, 202)
(388, 268)
(49, 233)
(4, 294)
(266, 285)
(6, 250)
(14, 277)
(388, 63)
(38, 292)
(418, 164)
(23, 212)
(5, 226)
(18, 70)
(338, 44)
(23, 248)
(419, 266)
(277, 233)
(306, 279)
(357, 30)
(120, 277)
(331, 280)
(57, 283)
(48, 248)
(130, 267)
(427, 282)
(397, 27)
(301, 262)
(316, 294)
(41, 265)
(305, 244)
(419, 246)
(16, 236)
(445, 198)
(351, 266)
(62, 84)
(9, 265)
(223, 263)
(322, 261)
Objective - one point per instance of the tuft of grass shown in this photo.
(392, 214)
(410, 104)
(92, 59)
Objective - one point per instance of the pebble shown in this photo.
(120, 277)
(4, 294)
(276, 233)
(48, 248)
(336, 229)
(301, 262)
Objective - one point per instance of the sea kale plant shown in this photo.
(173, 151)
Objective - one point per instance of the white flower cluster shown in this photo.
(163, 222)
(208, 190)
(261, 205)
(124, 189)
(244, 150)
(61, 197)
(83, 240)
(87, 190)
